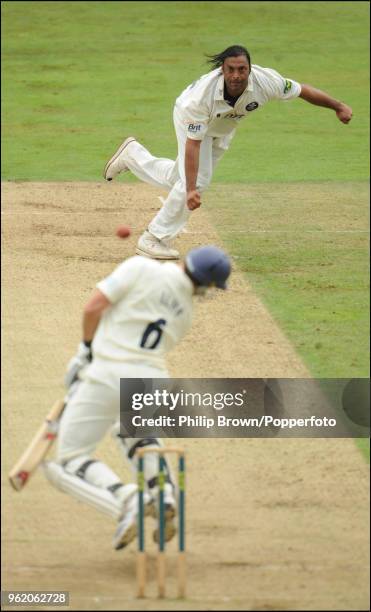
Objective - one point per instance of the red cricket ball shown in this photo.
(123, 231)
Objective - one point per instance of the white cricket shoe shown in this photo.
(117, 164)
(127, 528)
(150, 246)
(128, 524)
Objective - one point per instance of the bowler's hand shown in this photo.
(344, 113)
(193, 200)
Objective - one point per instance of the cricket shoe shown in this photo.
(117, 164)
(128, 524)
(150, 246)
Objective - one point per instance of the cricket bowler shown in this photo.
(206, 116)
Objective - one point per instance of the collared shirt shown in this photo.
(151, 311)
(205, 112)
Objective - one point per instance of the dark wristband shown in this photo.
(87, 343)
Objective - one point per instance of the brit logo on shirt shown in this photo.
(252, 106)
(194, 127)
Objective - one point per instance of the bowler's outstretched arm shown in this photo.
(320, 98)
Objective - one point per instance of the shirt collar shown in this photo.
(219, 92)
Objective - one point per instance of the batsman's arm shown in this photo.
(92, 314)
(320, 98)
(192, 156)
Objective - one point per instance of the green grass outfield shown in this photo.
(79, 75)
(289, 199)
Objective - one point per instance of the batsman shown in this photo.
(132, 320)
(206, 115)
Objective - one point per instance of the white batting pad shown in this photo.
(102, 500)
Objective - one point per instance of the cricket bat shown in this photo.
(37, 449)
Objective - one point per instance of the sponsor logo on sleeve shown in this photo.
(252, 106)
(194, 128)
(233, 116)
(288, 85)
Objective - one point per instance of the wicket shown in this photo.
(142, 557)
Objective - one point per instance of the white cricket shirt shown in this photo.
(150, 313)
(205, 112)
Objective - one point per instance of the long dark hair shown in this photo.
(217, 60)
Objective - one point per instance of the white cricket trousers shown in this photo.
(95, 407)
(169, 174)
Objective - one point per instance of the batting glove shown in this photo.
(82, 358)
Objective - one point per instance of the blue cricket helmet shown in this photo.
(208, 266)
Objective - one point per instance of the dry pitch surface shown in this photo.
(271, 524)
